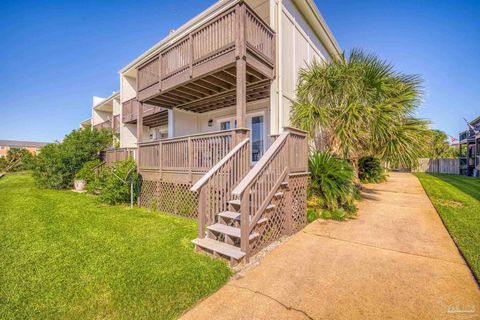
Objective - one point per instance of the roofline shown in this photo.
(180, 32)
(328, 39)
(113, 95)
(88, 119)
(477, 119)
(313, 16)
(21, 143)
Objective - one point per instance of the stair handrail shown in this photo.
(251, 206)
(238, 161)
(207, 176)
(258, 167)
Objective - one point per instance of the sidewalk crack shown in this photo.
(272, 298)
(381, 248)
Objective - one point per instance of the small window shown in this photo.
(225, 125)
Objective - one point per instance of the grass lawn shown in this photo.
(65, 255)
(457, 199)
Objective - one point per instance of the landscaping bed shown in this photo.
(66, 255)
(457, 200)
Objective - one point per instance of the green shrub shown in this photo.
(113, 182)
(16, 159)
(332, 180)
(370, 170)
(57, 163)
(332, 189)
(87, 172)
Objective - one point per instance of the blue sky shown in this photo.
(57, 54)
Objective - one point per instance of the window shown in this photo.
(226, 124)
(257, 127)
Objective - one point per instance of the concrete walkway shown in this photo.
(395, 261)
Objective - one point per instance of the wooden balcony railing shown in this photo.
(104, 125)
(118, 154)
(214, 40)
(116, 123)
(188, 154)
(130, 110)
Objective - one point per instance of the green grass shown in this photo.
(457, 200)
(66, 256)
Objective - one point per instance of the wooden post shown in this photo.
(202, 209)
(160, 164)
(190, 39)
(241, 64)
(288, 193)
(245, 223)
(190, 158)
(139, 130)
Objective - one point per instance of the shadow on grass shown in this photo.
(468, 185)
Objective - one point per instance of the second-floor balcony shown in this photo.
(116, 123)
(200, 71)
(104, 125)
(152, 115)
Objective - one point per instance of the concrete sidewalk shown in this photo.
(395, 261)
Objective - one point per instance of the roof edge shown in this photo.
(313, 16)
(113, 95)
(180, 32)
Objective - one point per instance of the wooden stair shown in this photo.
(220, 248)
(232, 194)
(222, 237)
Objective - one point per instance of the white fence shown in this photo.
(450, 166)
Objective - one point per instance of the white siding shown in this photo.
(298, 46)
(128, 87)
(117, 106)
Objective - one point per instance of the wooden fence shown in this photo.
(450, 166)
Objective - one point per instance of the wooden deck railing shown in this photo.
(216, 185)
(287, 155)
(116, 123)
(187, 154)
(112, 155)
(129, 110)
(104, 125)
(213, 39)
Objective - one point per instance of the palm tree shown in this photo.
(359, 106)
(439, 147)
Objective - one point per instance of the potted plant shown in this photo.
(84, 175)
(79, 183)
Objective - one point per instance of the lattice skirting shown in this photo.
(298, 187)
(283, 220)
(173, 198)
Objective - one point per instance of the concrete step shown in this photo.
(230, 231)
(218, 247)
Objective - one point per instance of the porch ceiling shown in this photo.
(213, 91)
(156, 119)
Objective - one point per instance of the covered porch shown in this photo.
(226, 61)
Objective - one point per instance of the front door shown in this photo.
(256, 124)
(258, 132)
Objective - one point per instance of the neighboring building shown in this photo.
(208, 109)
(87, 123)
(469, 144)
(31, 146)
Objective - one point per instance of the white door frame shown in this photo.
(249, 117)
